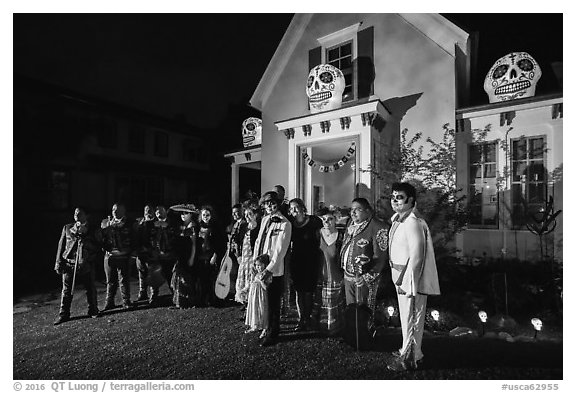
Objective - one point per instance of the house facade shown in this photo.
(404, 71)
(387, 89)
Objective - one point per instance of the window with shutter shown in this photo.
(352, 52)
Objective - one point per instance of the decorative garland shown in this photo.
(322, 167)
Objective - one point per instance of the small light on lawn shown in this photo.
(483, 316)
(390, 311)
(537, 323)
(435, 315)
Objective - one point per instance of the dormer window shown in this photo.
(351, 50)
(340, 56)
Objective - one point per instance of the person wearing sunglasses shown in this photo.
(413, 271)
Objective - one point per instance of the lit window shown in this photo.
(340, 56)
(528, 178)
(483, 193)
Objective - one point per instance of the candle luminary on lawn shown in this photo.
(537, 324)
(483, 318)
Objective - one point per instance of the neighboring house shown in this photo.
(71, 150)
(525, 142)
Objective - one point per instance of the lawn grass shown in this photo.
(209, 343)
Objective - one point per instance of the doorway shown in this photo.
(327, 173)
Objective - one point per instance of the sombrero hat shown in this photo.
(184, 207)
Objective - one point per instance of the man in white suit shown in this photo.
(413, 272)
(272, 244)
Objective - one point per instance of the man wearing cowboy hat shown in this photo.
(271, 245)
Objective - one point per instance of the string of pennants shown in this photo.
(322, 167)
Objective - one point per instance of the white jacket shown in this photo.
(412, 256)
(276, 241)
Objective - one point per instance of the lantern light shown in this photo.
(390, 311)
(483, 316)
(435, 315)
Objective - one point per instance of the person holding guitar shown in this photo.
(210, 247)
(226, 280)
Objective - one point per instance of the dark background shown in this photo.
(205, 67)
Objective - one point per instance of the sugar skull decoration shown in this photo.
(512, 76)
(324, 88)
(252, 131)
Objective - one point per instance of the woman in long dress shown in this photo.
(184, 282)
(329, 302)
(246, 263)
(211, 248)
(305, 260)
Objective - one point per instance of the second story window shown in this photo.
(160, 144)
(137, 140)
(483, 192)
(340, 56)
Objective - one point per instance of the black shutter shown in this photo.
(365, 62)
(314, 57)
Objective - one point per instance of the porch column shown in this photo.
(235, 189)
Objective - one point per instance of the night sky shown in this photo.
(200, 65)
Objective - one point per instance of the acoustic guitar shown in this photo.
(222, 288)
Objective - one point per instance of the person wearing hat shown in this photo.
(184, 282)
(142, 248)
(77, 250)
(271, 245)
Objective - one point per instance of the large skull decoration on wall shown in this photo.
(252, 131)
(324, 88)
(512, 76)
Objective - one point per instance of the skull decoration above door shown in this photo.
(512, 76)
(252, 131)
(324, 88)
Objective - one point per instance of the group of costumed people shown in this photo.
(328, 260)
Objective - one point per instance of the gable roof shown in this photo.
(434, 26)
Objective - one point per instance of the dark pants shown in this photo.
(304, 302)
(117, 269)
(275, 291)
(142, 275)
(87, 280)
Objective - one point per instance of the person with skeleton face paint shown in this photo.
(413, 273)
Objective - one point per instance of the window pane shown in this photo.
(346, 50)
(537, 148)
(476, 214)
(490, 170)
(490, 152)
(519, 149)
(475, 172)
(519, 171)
(345, 63)
(475, 153)
(536, 171)
(333, 54)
